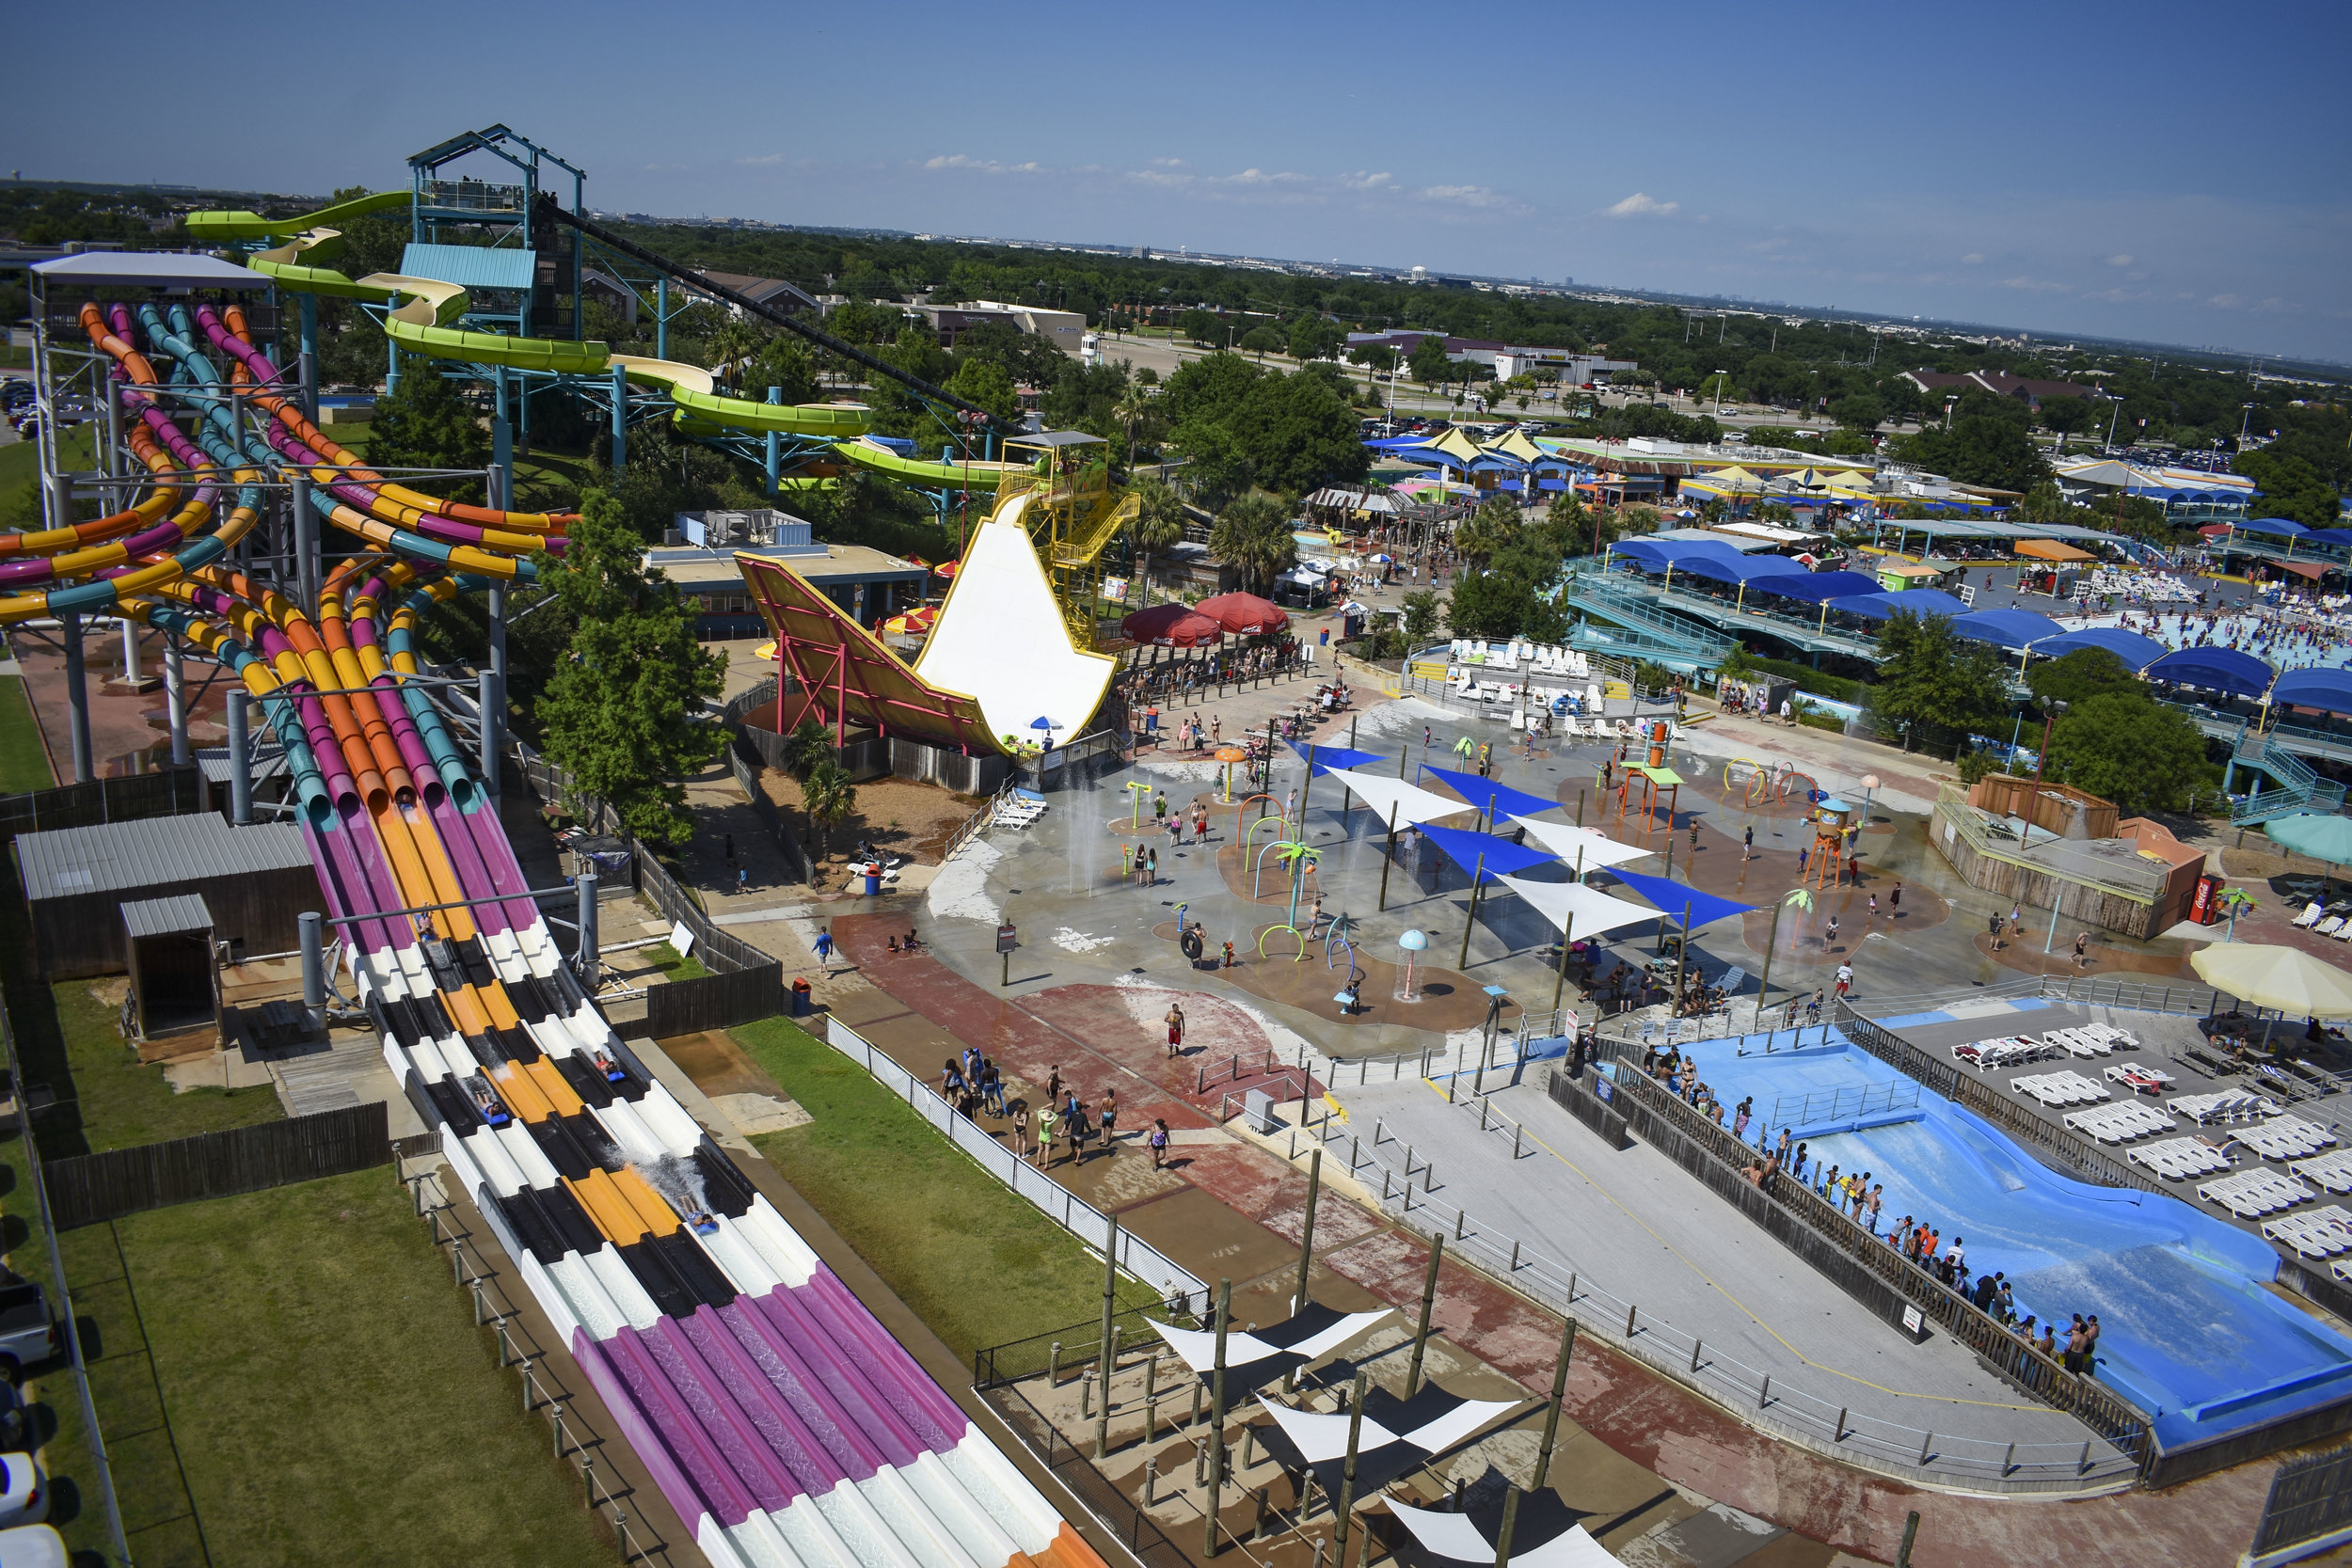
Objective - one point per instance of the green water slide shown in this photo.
(252, 226)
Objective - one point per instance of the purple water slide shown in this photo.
(662, 1429)
(796, 1364)
(865, 1349)
(726, 1425)
(481, 824)
(341, 880)
(800, 1431)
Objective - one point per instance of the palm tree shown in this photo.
(1158, 522)
(828, 797)
(1486, 531)
(1254, 536)
(1133, 408)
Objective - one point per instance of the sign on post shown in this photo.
(1006, 939)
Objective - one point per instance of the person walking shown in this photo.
(2082, 946)
(1175, 1022)
(1804, 854)
(1747, 845)
(1158, 1140)
(1048, 1128)
(1994, 925)
(991, 1087)
(824, 949)
(2090, 1347)
(1159, 809)
(1894, 899)
(1075, 1127)
(1845, 980)
(1829, 938)
(1053, 1085)
(1108, 1119)
(1874, 905)
(1020, 1130)
(1151, 865)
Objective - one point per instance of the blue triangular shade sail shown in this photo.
(1671, 896)
(1484, 853)
(1329, 757)
(1496, 801)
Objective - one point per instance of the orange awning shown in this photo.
(2312, 569)
(2050, 549)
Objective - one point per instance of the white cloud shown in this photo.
(754, 162)
(1642, 204)
(2119, 260)
(2034, 285)
(1466, 196)
(1974, 259)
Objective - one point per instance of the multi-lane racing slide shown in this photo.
(779, 1418)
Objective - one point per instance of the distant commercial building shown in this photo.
(1999, 383)
(869, 585)
(1506, 360)
(773, 292)
(1065, 330)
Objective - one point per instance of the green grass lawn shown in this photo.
(674, 964)
(23, 765)
(289, 1377)
(976, 1263)
(120, 1100)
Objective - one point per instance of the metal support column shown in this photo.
(76, 694)
(660, 316)
(776, 394)
(305, 520)
(130, 650)
(620, 420)
(493, 722)
(313, 944)
(307, 358)
(501, 449)
(586, 884)
(113, 463)
(176, 698)
(240, 759)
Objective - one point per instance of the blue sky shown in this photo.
(2160, 171)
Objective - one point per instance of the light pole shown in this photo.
(2041, 760)
(2115, 408)
(2245, 414)
(1947, 411)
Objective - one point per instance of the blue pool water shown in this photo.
(2191, 1333)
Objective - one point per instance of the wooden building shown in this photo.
(254, 882)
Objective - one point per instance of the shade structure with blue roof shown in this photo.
(2284, 528)
(1815, 587)
(1671, 898)
(1887, 604)
(2223, 670)
(1496, 801)
(2137, 652)
(2336, 536)
(1484, 855)
(2006, 628)
(1736, 568)
(2328, 690)
(1659, 554)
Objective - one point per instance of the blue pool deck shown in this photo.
(2193, 1332)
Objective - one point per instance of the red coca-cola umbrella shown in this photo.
(1246, 613)
(1172, 626)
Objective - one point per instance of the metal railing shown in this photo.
(1763, 1400)
(1805, 1111)
(1175, 1284)
(573, 1439)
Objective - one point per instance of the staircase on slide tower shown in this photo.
(2299, 786)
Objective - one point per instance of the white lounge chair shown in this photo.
(2311, 916)
(2332, 1172)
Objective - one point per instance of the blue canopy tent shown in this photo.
(1487, 855)
(2329, 690)
(1671, 898)
(1736, 568)
(2279, 526)
(1886, 605)
(2212, 669)
(1495, 800)
(2137, 652)
(1329, 757)
(2336, 536)
(2013, 629)
(1814, 586)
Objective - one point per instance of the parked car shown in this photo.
(33, 1546)
(23, 1490)
(27, 1333)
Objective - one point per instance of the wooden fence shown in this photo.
(167, 792)
(714, 1001)
(89, 1189)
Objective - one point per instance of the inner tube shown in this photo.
(1190, 943)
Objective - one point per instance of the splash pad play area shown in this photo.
(2194, 1335)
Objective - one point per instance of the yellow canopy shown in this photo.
(1457, 443)
(2286, 979)
(1734, 478)
(1518, 446)
(2050, 549)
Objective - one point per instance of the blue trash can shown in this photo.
(873, 880)
(800, 998)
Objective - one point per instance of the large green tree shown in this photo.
(1988, 444)
(1942, 685)
(2124, 747)
(2084, 673)
(623, 714)
(425, 422)
(1158, 522)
